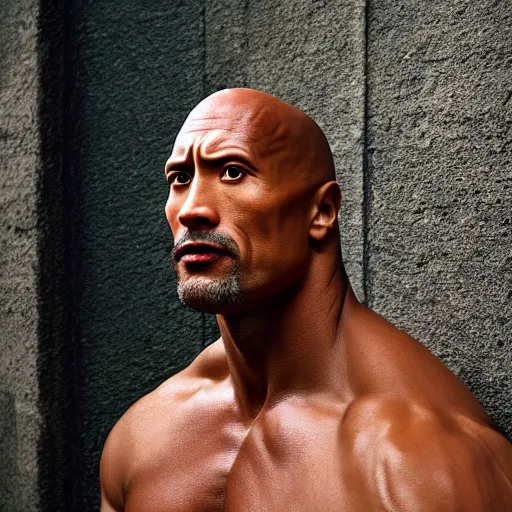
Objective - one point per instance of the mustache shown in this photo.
(214, 237)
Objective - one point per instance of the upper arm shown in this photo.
(410, 459)
(445, 472)
(491, 454)
(112, 464)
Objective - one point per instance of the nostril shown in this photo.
(198, 216)
(195, 220)
(201, 221)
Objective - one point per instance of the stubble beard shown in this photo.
(209, 294)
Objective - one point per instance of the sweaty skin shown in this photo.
(309, 401)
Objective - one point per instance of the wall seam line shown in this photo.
(72, 210)
(366, 207)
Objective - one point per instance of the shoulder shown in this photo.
(409, 456)
(136, 429)
(150, 421)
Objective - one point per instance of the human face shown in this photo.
(237, 212)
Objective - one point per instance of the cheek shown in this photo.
(275, 239)
(284, 220)
(265, 212)
(171, 213)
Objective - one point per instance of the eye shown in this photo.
(233, 173)
(179, 178)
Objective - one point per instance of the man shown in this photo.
(309, 401)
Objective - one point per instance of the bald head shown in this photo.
(271, 127)
(254, 176)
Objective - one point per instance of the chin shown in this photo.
(207, 295)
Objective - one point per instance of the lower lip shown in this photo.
(208, 257)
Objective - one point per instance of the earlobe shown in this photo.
(325, 210)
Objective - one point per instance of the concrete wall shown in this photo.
(415, 101)
(439, 254)
(19, 266)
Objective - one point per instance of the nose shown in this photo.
(198, 211)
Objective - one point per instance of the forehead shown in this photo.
(216, 129)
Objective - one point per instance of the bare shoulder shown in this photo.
(383, 360)
(135, 431)
(141, 433)
(408, 456)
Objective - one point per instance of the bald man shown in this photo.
(309, 401)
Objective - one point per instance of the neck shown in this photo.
(290, 344)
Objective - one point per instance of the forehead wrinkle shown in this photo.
(202, 129)
(212, 147)
(275, 134)
(211, 150)
(279, 139)
(263, 131)
(254, 123)
(186, 139)
(268, 132)
(206, 118)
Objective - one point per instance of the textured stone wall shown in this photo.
(415, 100)
(20, 420)
(440, 181)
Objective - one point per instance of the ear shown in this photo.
(326, 204)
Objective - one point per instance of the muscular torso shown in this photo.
(207, 459)
(188, 447)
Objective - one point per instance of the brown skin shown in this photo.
(309, 401)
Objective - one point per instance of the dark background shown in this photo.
(415, 99)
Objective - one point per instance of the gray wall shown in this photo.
(415, 100)
(20, 417)
(439, 253)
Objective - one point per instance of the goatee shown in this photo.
(204, 293)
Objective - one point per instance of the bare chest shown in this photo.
(289, 465)
(281, 462)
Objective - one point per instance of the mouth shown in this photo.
(200, 252)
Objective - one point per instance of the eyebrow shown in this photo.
(175, 165)
(212, 160)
